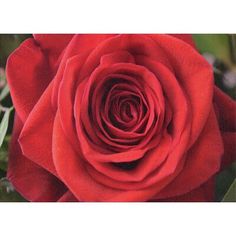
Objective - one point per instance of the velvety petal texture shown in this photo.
(28, 75)
(29, 179)
(225, 109)
(117, 118)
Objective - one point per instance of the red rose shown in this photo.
(117, 118)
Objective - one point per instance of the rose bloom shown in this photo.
(117, 118)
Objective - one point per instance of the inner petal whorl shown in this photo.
(123, 110)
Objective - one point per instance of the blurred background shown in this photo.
(218, 49)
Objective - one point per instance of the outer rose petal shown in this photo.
(68, 197)
(30, 180)
(203, 161)
(79, 44)
(204, 193)
(226, 110)
(73, 172)
(186, 38)
(194, 74)
(53, 45)
(66, 96)
(229, 139)
(28, 75)
(36, 136)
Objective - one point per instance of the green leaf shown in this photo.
(230, 196)
(224, 179)
(216, 44)
(4, 155)
(3, 159)
(8, 193)
(4, 125)
(4, 92)
(2, 75)
(232, 38)
(8, 43)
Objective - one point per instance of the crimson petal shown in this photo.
(39, 124)
(27, 81)
(30, 180)
(202, 161)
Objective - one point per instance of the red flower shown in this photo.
(117, 118)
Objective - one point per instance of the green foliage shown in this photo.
(216, 44)
(222, 48)
(4, 92)
(4, 124)
(230, 196)
(223, 181)
(8, 43)
(7, 192)
(4, 154)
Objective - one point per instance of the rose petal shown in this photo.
(30, 180)
(204, 193)
(97, 78)
(229, 140)
(28, 75)
(136, 178)
(36, 136)
(117, 57)
(226, 111)
(68, 197)
(186, 38)
(225, 108)
(66, 96)
(173, 94)
(53, 44)
(80, 44)
(76, 177)
(131, 43)
(202, 161)
(195, 76)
